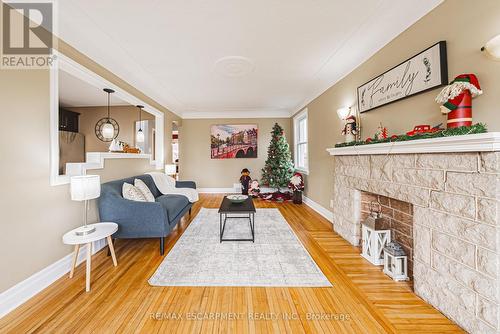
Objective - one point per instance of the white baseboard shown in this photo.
(309, 202)
(228, 190)
(217, 190)
(318, 208)
(23, 291)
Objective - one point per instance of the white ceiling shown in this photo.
(219, 58)
(74, 92)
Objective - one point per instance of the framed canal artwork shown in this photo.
(228, 141)
(422, 72)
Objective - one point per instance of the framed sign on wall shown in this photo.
(422, 72)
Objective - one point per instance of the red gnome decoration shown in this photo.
(457, 100)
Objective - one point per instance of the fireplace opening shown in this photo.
(396, 216)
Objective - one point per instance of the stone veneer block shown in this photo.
(487, 311)
(487, 211)
(353, 160)
(439, 291)
(466, 229)
(490, 162)
(457, 249)
(422, 243)
(380, 167)
(483, 285)
(461, 205)
(424, 177)
(487, 262)
(403, 160)
(472, 184)
(457, 161)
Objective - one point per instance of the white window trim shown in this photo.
(68, 65)
(303, 114)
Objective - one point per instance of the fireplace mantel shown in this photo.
(483, 142)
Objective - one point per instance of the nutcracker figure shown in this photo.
(457, 100)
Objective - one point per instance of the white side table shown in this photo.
(103, 230)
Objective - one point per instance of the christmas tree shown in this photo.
(279, 166)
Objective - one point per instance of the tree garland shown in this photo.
(460, 131)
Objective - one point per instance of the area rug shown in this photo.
(276, 259)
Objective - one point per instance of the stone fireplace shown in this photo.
(452, 202)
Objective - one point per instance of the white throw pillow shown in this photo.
(144, 190)
(132, 193)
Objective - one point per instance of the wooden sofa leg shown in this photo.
(162, 245)
(190, 211)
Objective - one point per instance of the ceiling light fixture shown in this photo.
(108, 130)
(140, 134)
(492, 48)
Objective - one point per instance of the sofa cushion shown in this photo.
(132, 193)
(144, 190)
(173, 205)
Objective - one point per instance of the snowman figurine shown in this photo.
(350, 129)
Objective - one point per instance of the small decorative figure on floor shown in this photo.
(350, 129)
(245, 180)
(254, 188)
(297, 186)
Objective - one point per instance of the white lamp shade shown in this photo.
(170, 169)
(108, 131)
(139, 136)
(492, 47)
(85, 187)
(344, 112)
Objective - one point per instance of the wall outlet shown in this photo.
(331, 203)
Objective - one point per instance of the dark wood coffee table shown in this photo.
(245, 210)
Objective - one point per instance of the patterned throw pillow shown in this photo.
(132, 193)
(144, 190)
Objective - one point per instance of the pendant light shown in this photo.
(140, 134)
(108, 131)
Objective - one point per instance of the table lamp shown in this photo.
(85, 188)
(170, 170)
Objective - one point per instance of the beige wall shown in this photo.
(35, 215)
(125, 116)
(466, 26)
(195, 161)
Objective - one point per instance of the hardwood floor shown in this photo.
(362, 299)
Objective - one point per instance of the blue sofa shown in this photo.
(143, 219)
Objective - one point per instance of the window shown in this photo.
(300, 142)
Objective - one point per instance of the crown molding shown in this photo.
(236, 113)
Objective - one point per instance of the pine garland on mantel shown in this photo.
(460, 131)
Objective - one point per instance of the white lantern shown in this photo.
(373, 243)
(395, 262)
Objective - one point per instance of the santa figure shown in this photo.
(350, 130)
(457, 100)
